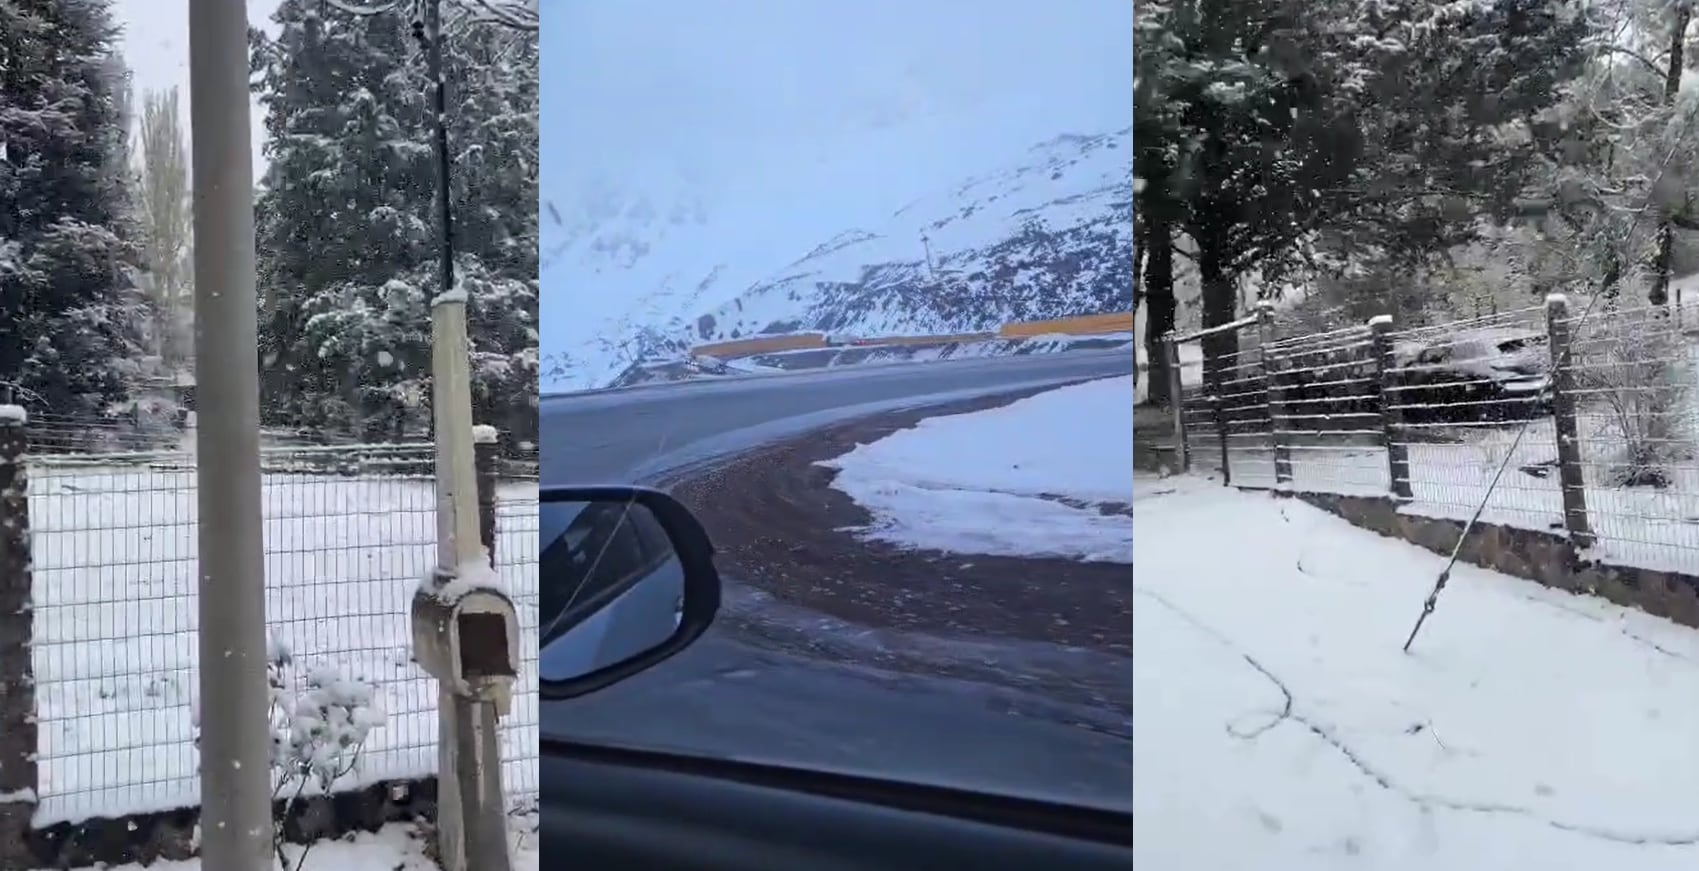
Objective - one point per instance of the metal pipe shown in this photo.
(445, 212)
(236, 824)
(1249, 320)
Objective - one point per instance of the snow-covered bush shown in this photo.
(1634, 373)
(319, 720)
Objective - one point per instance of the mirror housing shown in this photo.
(701, 595)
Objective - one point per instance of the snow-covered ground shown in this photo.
(1028, 479)
(1280, 726)
(115, 631)
(395, 848)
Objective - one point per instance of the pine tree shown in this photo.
(1379, 131)
(69, 340)
(347, 221)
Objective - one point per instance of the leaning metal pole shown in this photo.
(235, 771)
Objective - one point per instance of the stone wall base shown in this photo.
(150, 837)
(1545, 557)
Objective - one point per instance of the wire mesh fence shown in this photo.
(1582, 424)
(349, 532)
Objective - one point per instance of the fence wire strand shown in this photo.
(1311, 413)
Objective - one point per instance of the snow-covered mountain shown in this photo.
(684, 260)
(696, 155)
(1050, 235)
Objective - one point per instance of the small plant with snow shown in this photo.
(319, 724)
(1635, 371)
(319, 721)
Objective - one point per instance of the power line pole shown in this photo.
(235, 769)
(471, 811)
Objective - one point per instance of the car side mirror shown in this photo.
(627, 580)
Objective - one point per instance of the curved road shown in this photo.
(739, 697)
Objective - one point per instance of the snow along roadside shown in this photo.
(1046, 476)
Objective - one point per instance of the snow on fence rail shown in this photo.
(112, 629)
(145, 437)
(1609, 457)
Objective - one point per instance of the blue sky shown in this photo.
(791, 121)
(156, 47)
(706, 84)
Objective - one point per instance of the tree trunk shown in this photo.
(1160, 308)
(1220, 306)
(1140, 246)
(1611, 282)
(1659, 294)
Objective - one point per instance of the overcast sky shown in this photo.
(705, 85)
(156, 47)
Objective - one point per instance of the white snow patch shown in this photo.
(994, 482)
(484, 434)
(1280, 726)
(471, 576)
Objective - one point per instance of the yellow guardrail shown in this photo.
(761, 345)
(1083, 325)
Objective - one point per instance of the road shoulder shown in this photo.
(1058, 627)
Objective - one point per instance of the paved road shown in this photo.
(735, 696)
(622, 435)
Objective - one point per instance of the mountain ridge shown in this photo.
(1046, 235)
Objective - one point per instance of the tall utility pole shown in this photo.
(471, 812)
(236, 826)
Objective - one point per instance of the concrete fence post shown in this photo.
(1223, 437)
(486, 450)
(1279, 424)
(1391, 417)
(1177, 401)
(18, 770)
(1562, 390)
(1274, 388)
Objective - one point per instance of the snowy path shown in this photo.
(1280, 726)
